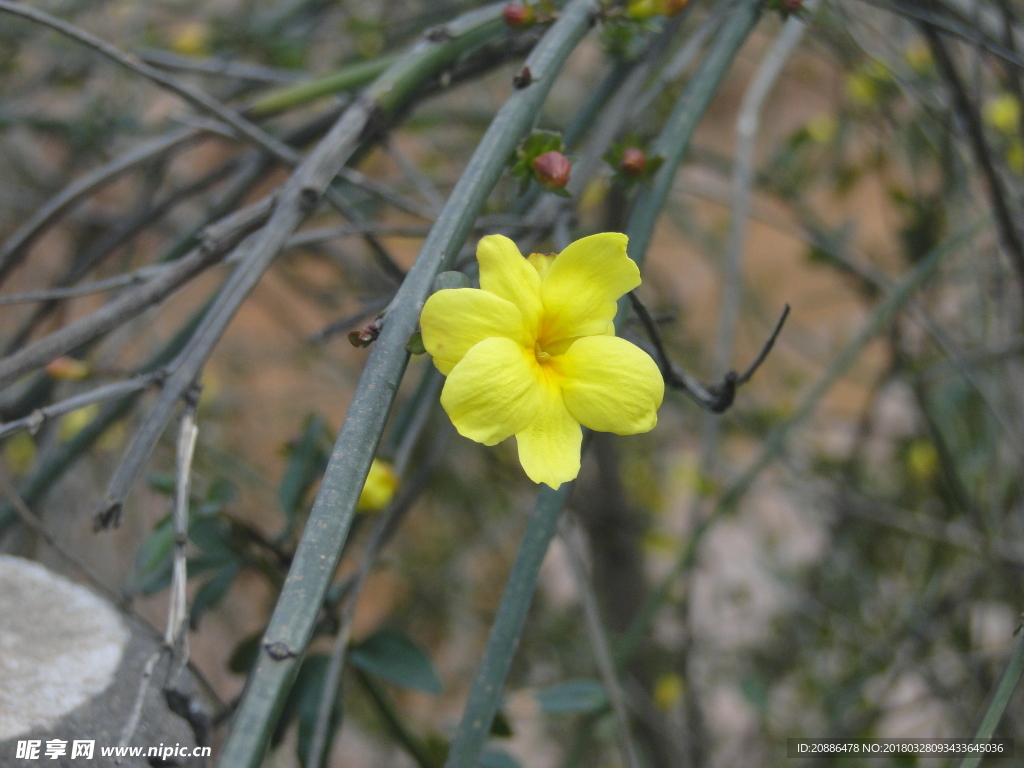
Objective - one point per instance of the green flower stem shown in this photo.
(316, 558)
(485, 698)
(348, 78)
(847, 356)
(1001, 698)
(486, 694)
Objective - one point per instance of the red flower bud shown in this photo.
(672, 7)
(793, 6)
(552, 170)
(517, 15)
(634, 162)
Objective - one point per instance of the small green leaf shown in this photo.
(391, 655)
(415, 344)
(221, 493)
(500, 726)
(307, 463)
(162, 482)
(304, 702)
(244, 655)
(572, 697)
(309, 709)
(154, 550)
(213, 591)
(213, 536)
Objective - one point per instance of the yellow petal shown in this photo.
(379, 487)
(505, 273)
(549, 448)
(493, 392)
(610, 385)
(455, 319)
(583, 284)
(541, 263)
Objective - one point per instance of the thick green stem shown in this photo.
(295, 614)
(485, 696)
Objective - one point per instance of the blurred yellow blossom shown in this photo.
(922, 460)
(379, 487)
(918, 56)
(823, 128)
(1015, 157)
(190, 38)
(1003, 113)
(866, 85)
(20, 453)
(73, 423)
(668, 690)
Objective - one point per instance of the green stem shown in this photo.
(488, 685)
(348, 78)
(485, 698)
(1000, 700)
(316, 558)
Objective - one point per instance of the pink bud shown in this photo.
(552, 170)
(517, 15)
(634, 162)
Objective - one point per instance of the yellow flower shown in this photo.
(73, 423)
(668, 689)
(379, 487)
(1003, 113)
(823, 128)
(190, 38)
(534, 353)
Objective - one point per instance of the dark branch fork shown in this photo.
(716, 398)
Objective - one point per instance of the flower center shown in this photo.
(540, 353)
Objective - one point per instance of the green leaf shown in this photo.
(213, 591)
(500, 726)
(244, 655)
(307, 462)
(309, 708)
(390, 654)
(540, 143)
(162, 482)
(213, 536)
(303, 702)
(572, 697)
(494, 758)
(415, 344)
(154, 553)
(222, 492)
